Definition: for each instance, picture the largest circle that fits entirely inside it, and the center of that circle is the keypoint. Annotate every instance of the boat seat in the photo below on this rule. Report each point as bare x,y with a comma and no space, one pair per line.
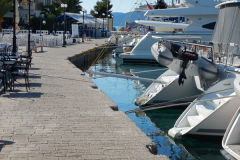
193,120
204,109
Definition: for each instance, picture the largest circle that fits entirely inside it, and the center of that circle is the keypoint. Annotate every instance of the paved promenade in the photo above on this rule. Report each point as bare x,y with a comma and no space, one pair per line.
64,117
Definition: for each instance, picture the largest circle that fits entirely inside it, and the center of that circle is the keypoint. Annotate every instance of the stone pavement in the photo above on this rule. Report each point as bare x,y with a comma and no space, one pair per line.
64,116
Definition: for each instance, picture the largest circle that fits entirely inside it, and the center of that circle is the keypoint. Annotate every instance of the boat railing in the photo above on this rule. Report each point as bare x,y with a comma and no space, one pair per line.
181,32
193,45
232,71
219,52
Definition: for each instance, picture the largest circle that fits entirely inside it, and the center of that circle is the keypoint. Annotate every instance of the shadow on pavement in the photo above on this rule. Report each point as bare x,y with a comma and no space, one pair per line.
3,143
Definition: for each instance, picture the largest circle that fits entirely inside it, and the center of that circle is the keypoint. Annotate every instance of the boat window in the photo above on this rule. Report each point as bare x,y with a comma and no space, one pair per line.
209,25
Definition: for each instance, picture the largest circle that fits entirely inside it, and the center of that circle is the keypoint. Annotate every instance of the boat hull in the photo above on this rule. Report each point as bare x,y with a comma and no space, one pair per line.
217,123
231,139
169,92
209,115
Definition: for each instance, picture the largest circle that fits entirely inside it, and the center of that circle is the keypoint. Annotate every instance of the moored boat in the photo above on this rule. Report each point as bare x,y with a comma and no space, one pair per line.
211,113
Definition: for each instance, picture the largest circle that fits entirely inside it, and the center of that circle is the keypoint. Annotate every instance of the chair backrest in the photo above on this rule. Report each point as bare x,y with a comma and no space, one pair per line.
9,49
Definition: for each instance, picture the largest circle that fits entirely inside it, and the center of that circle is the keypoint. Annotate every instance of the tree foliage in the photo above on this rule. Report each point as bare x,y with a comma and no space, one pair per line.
35,24
73,6
5,7
50,14
103,6
52,11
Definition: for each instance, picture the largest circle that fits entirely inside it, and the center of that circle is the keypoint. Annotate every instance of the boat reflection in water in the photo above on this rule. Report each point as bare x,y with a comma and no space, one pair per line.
154,123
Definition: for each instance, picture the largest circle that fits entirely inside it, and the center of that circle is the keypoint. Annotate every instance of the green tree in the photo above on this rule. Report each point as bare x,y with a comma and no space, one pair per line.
35,23
5,7
103,6
52,11
73,6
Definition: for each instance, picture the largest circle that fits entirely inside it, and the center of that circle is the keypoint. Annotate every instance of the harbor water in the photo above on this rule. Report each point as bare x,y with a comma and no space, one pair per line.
155,123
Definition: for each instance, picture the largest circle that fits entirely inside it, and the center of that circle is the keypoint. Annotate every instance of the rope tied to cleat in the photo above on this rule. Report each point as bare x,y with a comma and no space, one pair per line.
163,105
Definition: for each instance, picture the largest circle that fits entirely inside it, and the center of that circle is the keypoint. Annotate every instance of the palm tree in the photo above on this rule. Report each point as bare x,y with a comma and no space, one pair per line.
73,5
5,7
51,12
103,6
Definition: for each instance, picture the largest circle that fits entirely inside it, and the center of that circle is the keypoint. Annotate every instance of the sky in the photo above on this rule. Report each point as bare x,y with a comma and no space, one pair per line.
118,5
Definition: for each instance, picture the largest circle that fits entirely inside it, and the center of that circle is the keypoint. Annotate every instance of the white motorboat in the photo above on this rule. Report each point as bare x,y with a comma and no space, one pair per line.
123,38
201,74
231,139
202,115
202,15
211,113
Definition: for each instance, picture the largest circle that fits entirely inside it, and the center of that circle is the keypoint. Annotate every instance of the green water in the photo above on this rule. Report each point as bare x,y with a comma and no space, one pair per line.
155,123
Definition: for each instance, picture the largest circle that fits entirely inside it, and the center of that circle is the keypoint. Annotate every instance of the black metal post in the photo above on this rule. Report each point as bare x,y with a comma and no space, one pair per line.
14,49
96,28
29,5
108,21
83,26
41,25
103,27
64,41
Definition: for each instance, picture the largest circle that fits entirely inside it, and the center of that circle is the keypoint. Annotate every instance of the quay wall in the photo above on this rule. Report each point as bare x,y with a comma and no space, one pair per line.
85,59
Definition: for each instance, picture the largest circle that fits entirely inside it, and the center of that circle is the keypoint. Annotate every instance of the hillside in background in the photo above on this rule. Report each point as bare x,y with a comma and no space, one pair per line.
119,17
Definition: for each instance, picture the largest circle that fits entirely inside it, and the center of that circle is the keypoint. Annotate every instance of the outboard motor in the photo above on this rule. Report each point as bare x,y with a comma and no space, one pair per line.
186,57
176,49
160,4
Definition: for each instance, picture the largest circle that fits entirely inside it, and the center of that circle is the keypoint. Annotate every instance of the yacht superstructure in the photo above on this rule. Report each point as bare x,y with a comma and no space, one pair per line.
202,18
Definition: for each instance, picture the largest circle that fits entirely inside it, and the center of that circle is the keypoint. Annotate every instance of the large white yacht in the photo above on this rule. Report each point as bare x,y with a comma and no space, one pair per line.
211,112
201,17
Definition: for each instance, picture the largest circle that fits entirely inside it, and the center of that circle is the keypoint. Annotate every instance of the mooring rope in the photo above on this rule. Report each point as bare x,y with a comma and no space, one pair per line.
107,45
151,70
156,106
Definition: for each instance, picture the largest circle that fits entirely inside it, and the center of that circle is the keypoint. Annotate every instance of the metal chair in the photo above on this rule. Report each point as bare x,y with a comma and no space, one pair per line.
21,70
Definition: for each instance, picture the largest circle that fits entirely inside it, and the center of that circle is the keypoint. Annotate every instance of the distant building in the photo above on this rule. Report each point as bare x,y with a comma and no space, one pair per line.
23,13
